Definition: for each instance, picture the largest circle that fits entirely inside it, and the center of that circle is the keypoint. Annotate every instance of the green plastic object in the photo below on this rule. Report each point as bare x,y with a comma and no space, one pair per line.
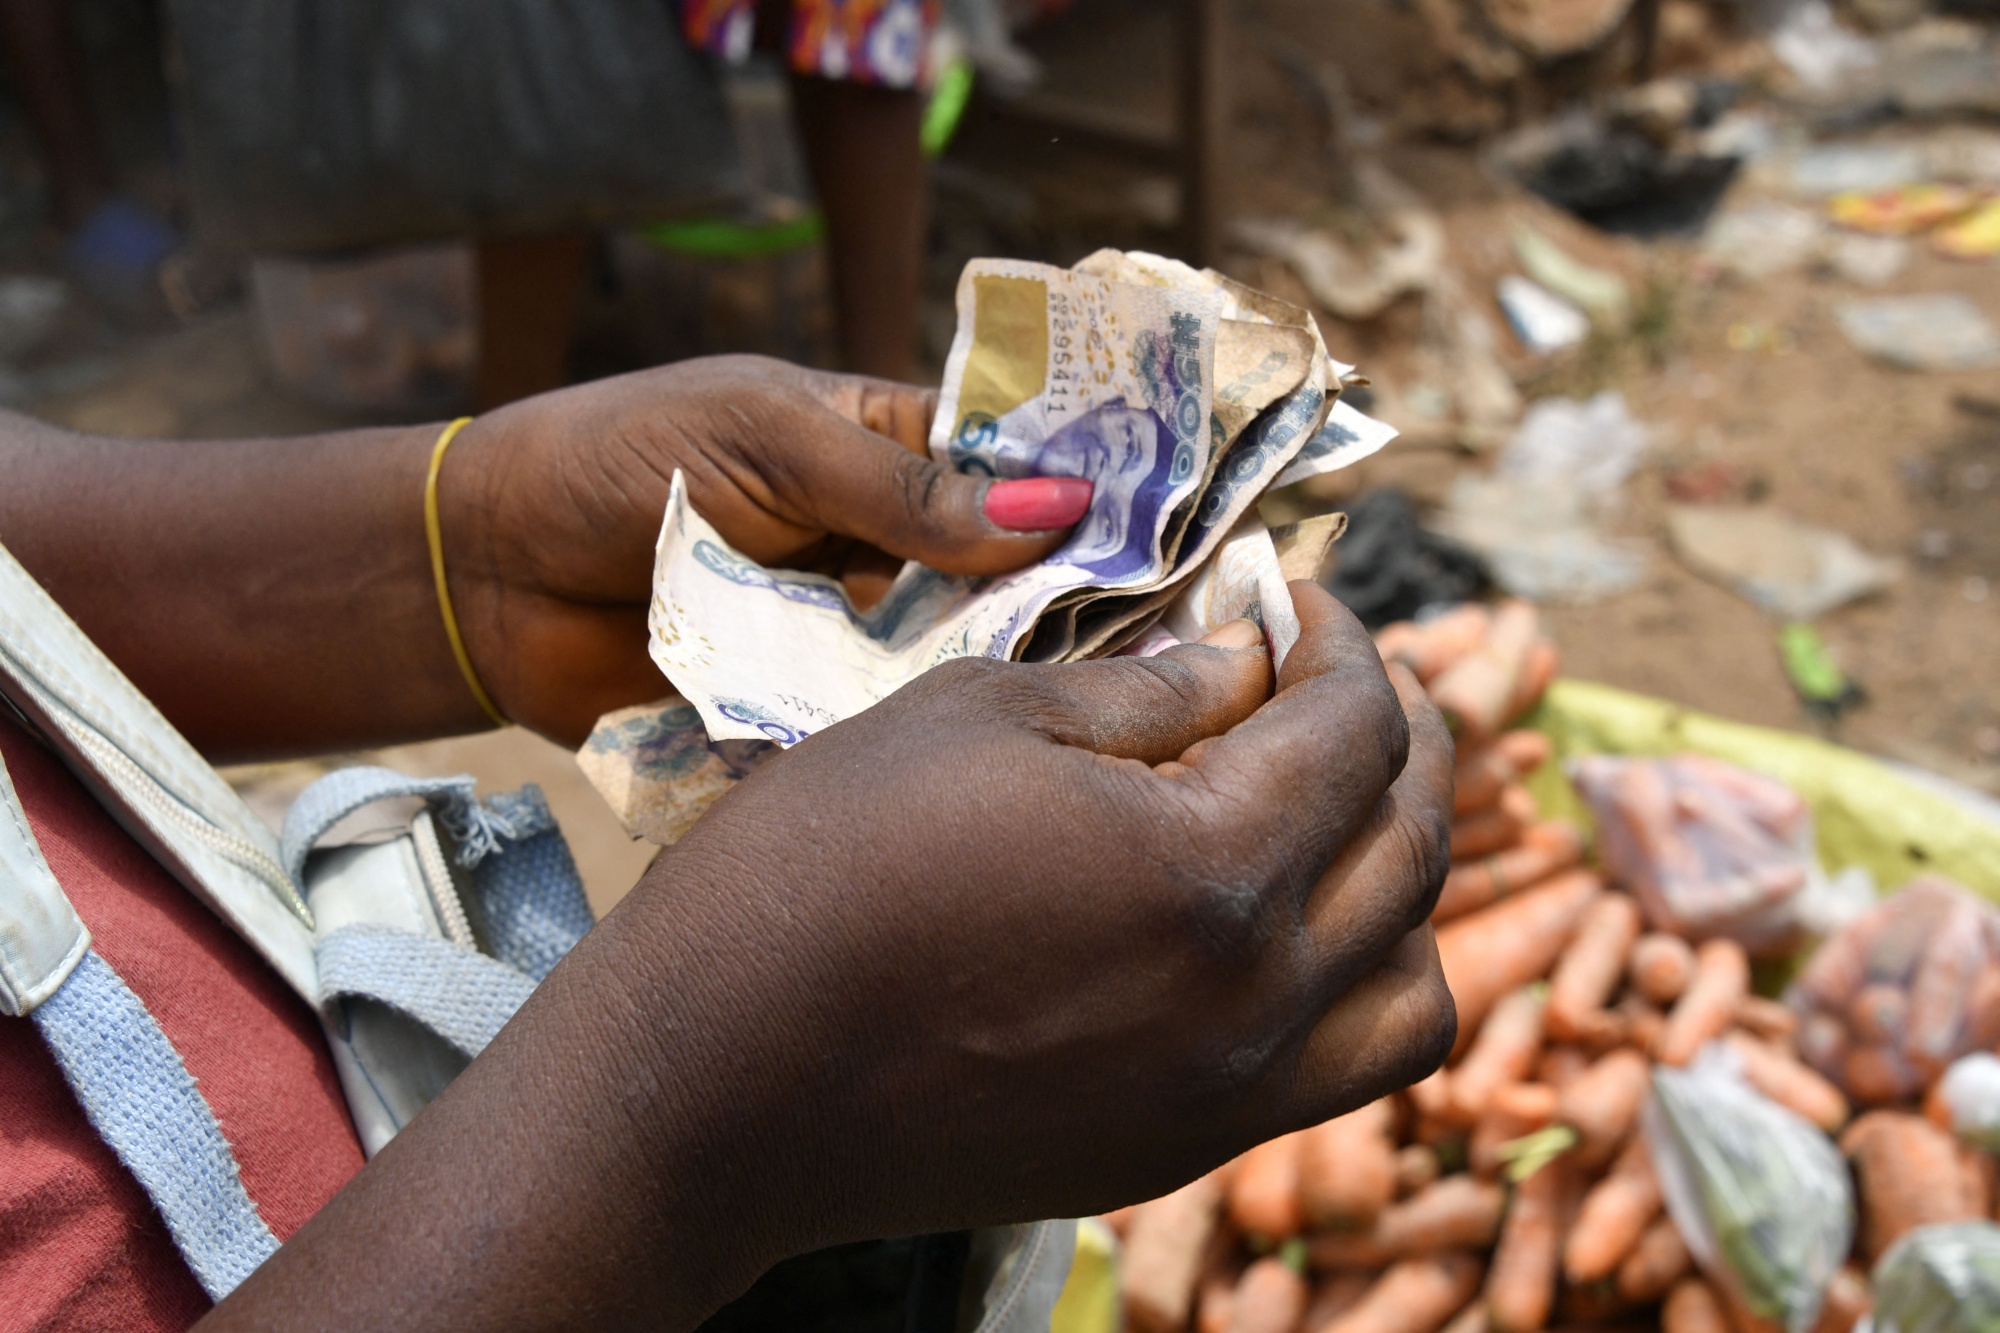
946,107
1864,812
1808,664
725,238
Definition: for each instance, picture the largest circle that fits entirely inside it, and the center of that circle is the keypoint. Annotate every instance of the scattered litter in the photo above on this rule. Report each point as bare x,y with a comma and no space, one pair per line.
1963,153
1789,568
1533,519
1540,540
1543,321
1748,335
1458,352
1714,482
1848,168
1902,211
1352,282
1592,445
1939,331
1387,567
1615,176
1821,54
1598,292
1942,66
1868,261
1824,689
1755,242
1974,236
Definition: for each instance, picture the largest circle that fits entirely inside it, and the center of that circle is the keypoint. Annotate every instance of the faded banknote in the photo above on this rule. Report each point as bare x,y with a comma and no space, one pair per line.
1182,395
1053,373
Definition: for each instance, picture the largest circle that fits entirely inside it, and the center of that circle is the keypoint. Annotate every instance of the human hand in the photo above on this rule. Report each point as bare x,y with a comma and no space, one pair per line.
1028,941
1019,941
550,508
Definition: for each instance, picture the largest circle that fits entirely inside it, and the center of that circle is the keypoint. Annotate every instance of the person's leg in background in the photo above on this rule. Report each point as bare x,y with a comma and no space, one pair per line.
862,148
45,68
529,287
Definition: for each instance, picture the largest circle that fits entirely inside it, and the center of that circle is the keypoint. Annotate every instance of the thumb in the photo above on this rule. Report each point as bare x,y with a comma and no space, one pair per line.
1152,709
860,484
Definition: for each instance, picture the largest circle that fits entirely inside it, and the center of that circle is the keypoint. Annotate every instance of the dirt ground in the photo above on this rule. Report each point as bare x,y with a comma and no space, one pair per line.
1907,463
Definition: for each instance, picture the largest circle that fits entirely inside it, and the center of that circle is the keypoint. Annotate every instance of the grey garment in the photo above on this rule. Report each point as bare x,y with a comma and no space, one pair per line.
315,125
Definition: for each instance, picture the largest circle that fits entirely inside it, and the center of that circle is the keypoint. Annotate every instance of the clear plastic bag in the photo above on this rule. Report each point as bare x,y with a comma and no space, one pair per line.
1761,1196
1710,849
1941,1279
1968,1099
1901,991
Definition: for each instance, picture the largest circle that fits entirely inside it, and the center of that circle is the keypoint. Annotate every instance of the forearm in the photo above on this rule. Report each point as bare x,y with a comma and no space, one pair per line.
594,1168
270,596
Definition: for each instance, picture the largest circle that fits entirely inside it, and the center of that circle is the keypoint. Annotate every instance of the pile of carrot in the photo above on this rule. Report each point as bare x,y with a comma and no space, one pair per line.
1514,1189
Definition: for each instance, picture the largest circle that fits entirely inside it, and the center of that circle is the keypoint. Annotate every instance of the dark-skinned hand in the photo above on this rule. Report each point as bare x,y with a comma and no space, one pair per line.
1019,942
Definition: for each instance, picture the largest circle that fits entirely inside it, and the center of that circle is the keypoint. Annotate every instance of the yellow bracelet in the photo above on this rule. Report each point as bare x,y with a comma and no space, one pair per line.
436,539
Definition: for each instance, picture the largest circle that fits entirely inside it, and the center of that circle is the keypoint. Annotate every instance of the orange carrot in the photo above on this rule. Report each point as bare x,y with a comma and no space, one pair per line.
1879,1014
1457,1212
1847,1299
1839,966
1789,1083
1659,1260
1589,969
1477,778
1264,1192
1615,1215
1215,1302
1721,979
1536,675
1909,1174
1334,1297
1472,1319
1430,1096
1534,1103
1982,1009
1271,1298
1484,832
1164,1249
1474,693
1416,1167
1602,1103
1951,963
1643,1023
1694,1307
1544,849
1347,1167
1526,749
1661,966
1501,1125
1521,1286
1503,1052
1560,1064
1822,1042
1433,646
1875,1075
1414,1296
1346,1251
1774,1022
1509,944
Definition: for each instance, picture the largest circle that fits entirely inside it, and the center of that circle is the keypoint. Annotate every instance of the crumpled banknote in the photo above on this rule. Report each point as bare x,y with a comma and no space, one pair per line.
1182,394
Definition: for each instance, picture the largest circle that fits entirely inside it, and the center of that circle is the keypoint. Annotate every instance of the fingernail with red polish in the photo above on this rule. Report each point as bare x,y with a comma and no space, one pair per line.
1037,504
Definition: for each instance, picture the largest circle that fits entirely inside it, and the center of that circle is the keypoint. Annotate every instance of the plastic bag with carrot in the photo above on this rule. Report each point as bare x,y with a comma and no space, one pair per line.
1901,991
1760,1195
1710,849
1942,1279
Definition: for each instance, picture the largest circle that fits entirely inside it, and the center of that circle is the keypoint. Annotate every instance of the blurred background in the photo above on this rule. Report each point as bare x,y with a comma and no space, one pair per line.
1684,307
